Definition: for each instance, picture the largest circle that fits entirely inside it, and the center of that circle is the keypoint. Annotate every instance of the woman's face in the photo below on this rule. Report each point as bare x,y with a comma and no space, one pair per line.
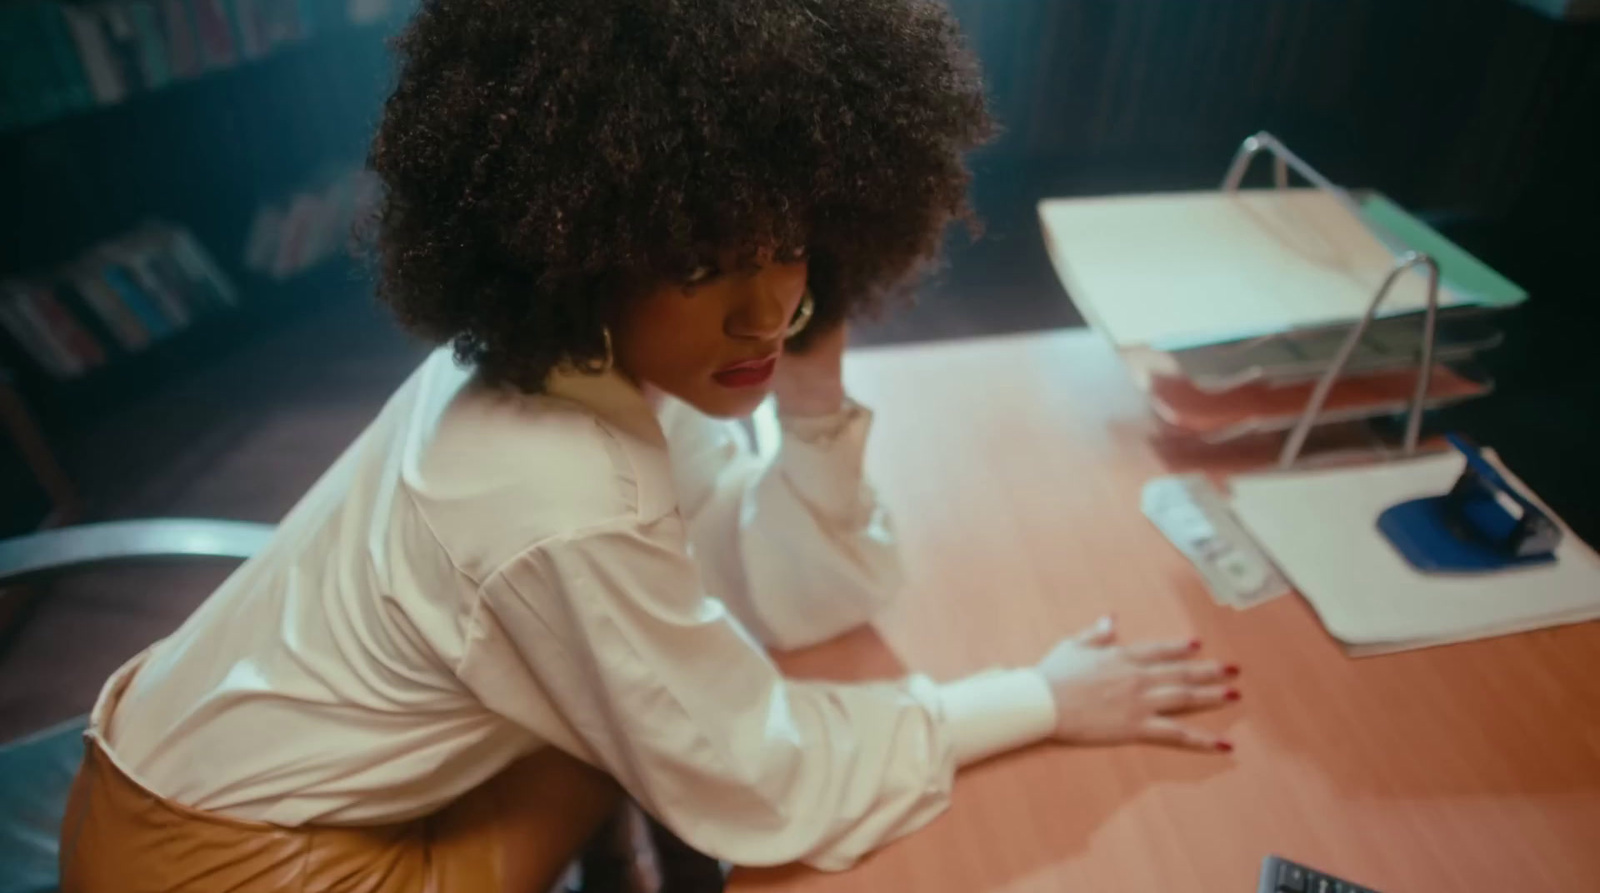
714,340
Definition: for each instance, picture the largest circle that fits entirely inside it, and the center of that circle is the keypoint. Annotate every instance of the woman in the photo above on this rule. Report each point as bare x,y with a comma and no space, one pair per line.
545,575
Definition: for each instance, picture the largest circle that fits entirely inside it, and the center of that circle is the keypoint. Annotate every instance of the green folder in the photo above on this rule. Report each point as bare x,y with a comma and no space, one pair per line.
1461,272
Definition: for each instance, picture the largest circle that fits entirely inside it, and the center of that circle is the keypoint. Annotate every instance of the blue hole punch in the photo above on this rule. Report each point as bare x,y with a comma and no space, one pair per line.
1483,524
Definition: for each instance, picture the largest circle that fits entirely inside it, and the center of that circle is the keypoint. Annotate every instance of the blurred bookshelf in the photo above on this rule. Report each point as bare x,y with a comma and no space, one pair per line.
61,59
181,178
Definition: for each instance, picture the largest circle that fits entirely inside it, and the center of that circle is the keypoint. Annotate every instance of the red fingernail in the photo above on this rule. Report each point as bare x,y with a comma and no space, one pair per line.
1230,670
1232,695
1225,747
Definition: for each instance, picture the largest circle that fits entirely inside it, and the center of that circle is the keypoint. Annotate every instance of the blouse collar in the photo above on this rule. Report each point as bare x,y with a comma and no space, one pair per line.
612,396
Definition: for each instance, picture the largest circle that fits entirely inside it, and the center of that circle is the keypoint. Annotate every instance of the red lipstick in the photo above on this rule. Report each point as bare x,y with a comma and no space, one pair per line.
747,374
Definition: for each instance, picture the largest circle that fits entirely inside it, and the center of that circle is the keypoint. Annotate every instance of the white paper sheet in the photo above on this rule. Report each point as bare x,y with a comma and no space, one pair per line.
1179,269
1320,528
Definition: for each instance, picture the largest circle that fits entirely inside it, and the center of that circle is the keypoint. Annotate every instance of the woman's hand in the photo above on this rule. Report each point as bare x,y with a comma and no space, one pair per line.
1111,694
810,382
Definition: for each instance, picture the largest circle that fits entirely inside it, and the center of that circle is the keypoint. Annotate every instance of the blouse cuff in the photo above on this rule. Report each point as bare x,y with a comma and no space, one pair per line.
997,711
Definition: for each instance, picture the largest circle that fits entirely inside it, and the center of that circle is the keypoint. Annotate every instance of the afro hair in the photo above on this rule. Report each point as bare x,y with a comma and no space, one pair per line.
539,156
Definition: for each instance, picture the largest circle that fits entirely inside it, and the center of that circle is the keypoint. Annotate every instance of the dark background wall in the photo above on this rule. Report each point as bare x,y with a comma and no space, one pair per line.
1453,104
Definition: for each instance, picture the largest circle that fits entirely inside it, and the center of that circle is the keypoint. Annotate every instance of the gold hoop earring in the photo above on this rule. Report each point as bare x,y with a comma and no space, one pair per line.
604,366
802,316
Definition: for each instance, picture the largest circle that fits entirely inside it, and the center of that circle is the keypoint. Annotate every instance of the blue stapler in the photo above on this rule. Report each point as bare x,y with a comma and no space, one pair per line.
1483,524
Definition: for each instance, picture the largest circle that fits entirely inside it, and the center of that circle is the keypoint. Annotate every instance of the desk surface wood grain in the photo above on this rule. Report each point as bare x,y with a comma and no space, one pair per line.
1014,467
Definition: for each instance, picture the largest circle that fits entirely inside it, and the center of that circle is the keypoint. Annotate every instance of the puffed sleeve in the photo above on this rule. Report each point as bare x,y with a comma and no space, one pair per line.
606,641
797,545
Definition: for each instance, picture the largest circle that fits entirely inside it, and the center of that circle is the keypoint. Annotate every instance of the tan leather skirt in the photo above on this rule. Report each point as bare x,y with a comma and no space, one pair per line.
118,836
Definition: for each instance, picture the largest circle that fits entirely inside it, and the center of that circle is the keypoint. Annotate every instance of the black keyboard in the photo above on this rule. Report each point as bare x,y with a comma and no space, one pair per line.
1279,875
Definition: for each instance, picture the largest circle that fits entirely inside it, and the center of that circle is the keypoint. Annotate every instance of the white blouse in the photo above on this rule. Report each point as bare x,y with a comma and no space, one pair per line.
487,572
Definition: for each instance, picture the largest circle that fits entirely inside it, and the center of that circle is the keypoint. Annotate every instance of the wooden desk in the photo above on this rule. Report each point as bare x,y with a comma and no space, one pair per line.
1014,468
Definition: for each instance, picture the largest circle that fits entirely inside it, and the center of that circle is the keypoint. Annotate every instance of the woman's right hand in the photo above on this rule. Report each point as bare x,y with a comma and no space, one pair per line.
1111,694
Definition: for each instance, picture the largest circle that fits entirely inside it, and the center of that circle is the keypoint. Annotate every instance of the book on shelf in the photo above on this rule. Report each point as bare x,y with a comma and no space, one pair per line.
292,235
145,306
117,299
40,74
216,34
247,21
189,263
51,336
64,329
182,41
130,58
289,20
363,11
58,57
116,317
155,60
133,271
94,55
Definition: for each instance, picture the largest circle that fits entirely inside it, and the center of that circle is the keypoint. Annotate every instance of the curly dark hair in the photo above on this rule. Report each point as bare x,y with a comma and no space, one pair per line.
540,155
